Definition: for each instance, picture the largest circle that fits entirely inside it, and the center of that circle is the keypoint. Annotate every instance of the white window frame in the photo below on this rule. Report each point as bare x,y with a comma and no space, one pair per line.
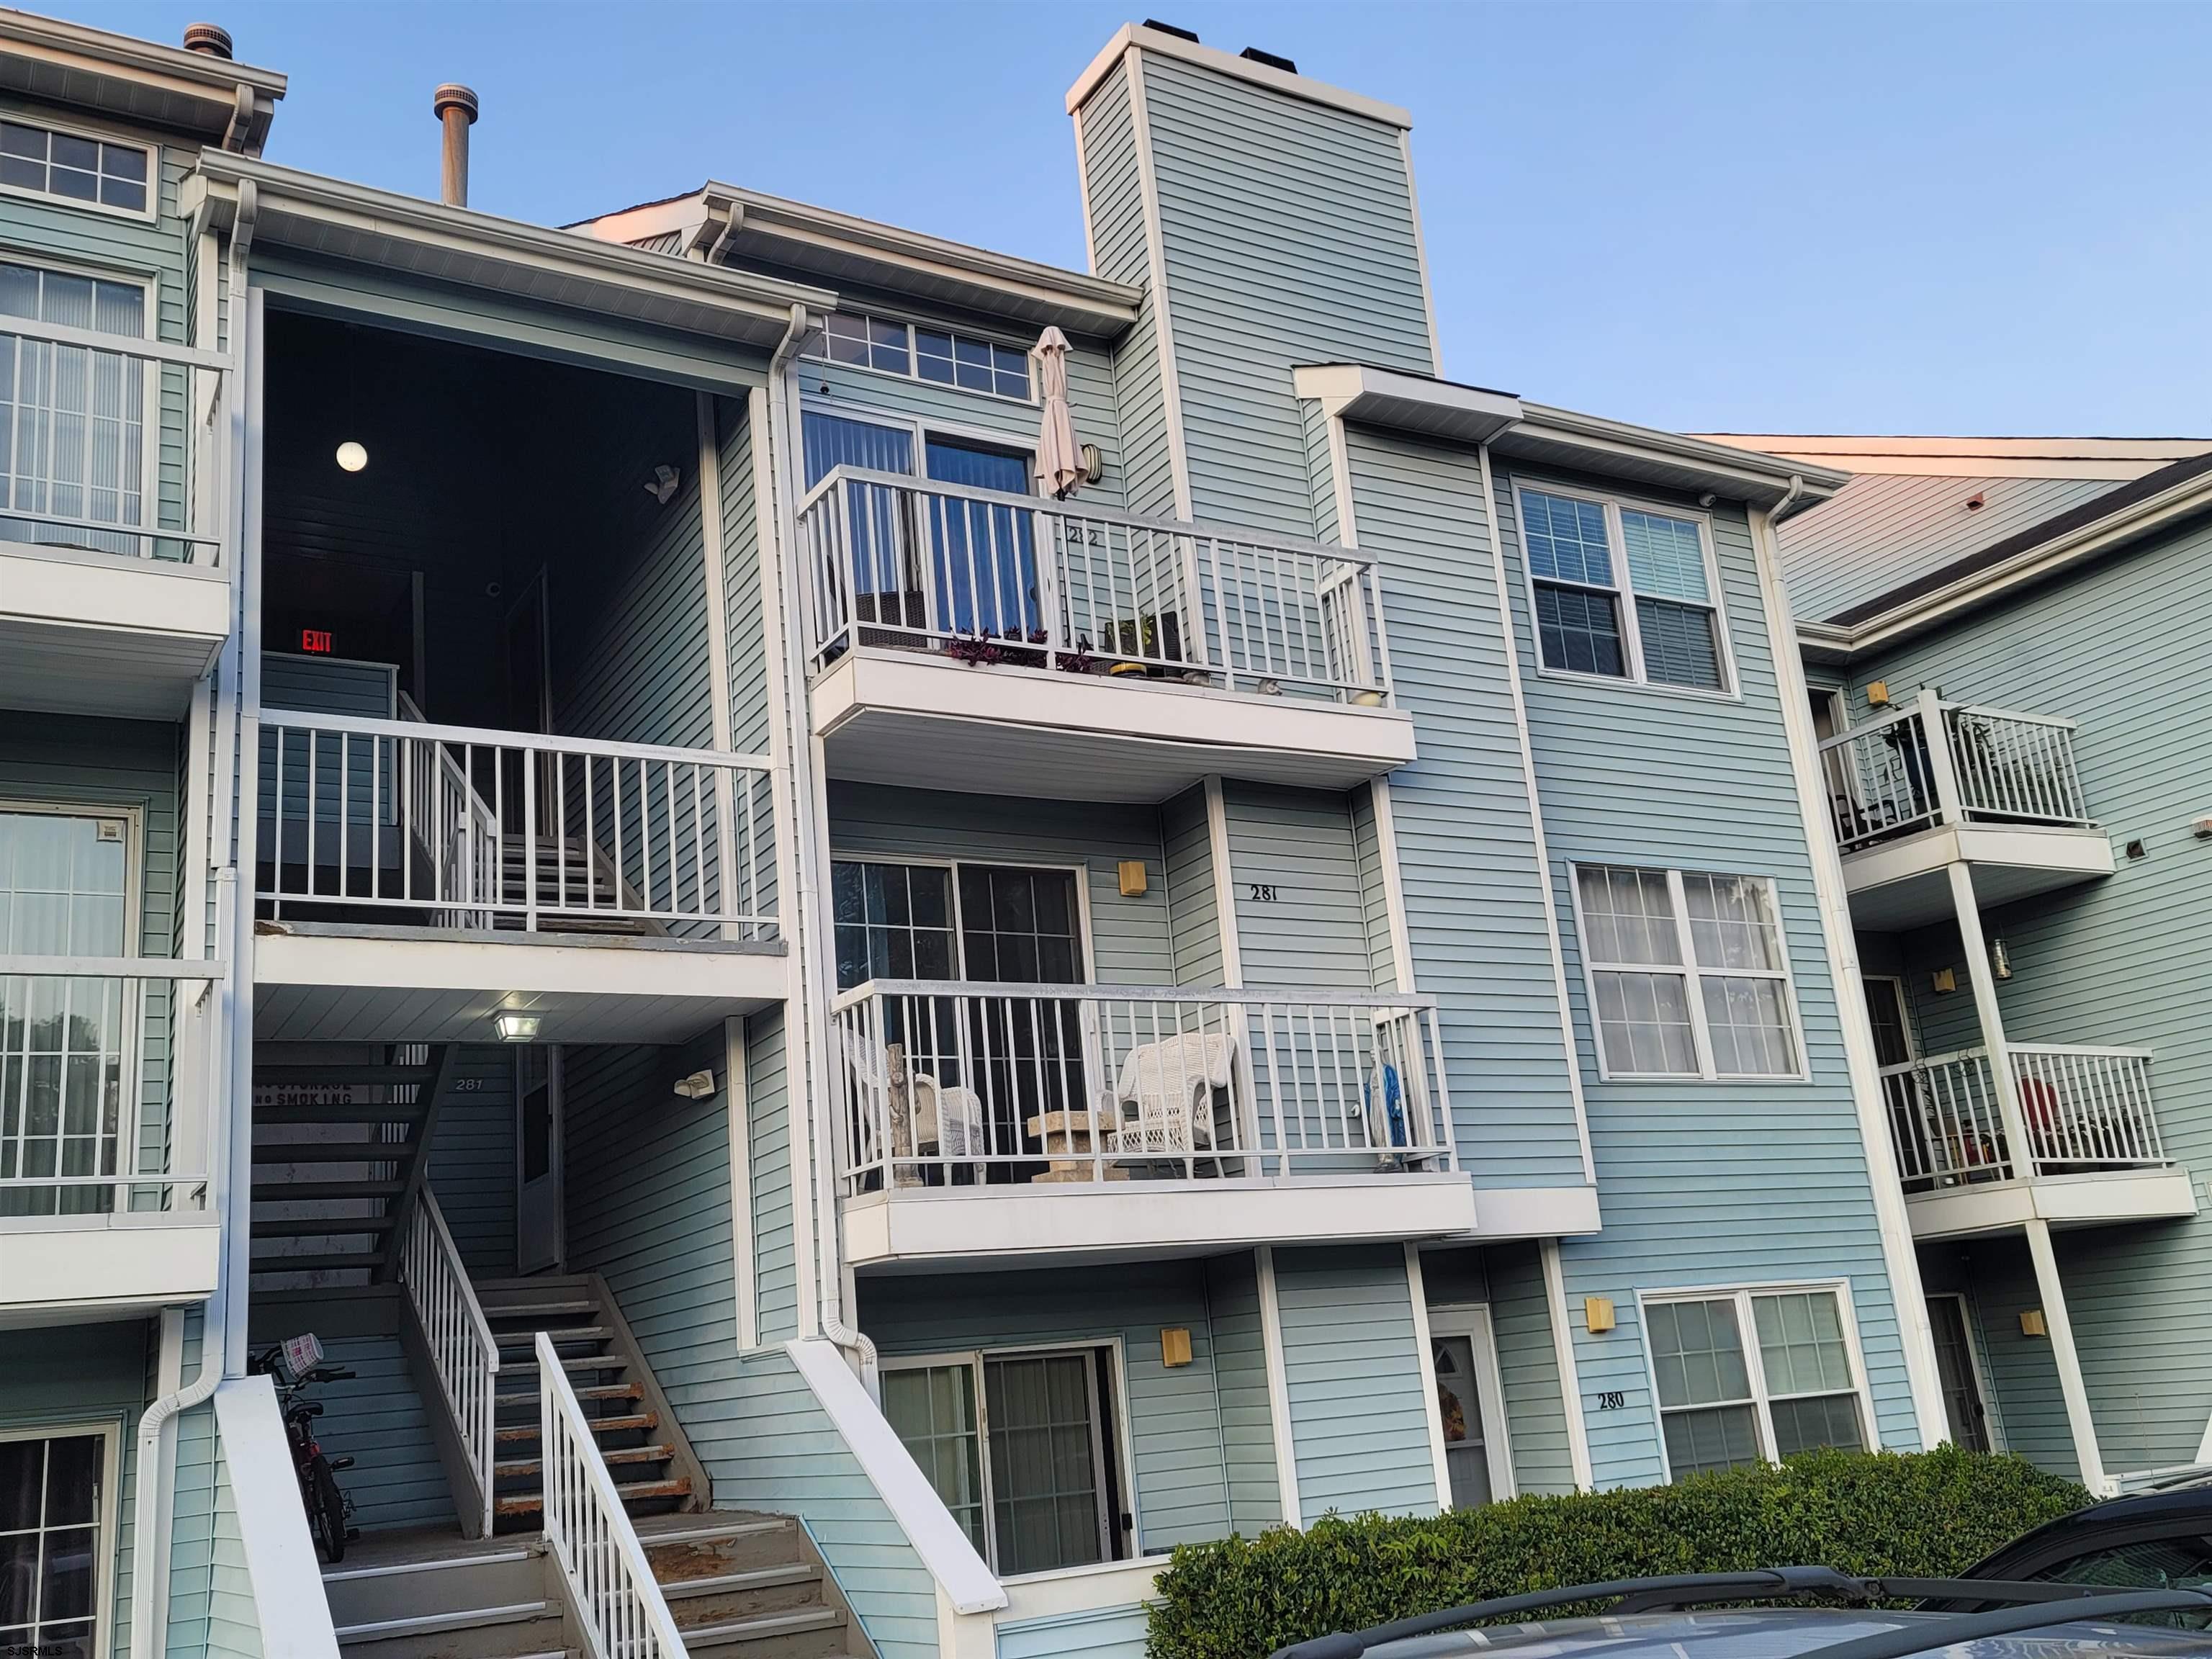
1762,1402
109,1542
1080,872
1120,1447
1473,1320
153,153
1970,1322
1692,973
914,356
1903,1010
926,427
1623,590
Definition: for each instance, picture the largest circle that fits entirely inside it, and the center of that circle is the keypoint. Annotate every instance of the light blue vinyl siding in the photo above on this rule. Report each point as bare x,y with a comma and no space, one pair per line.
1465,828
1300,845
328,685
380,1419
1103,1633
234,1625
1130,936
1174,1417
472,1167
1374,891
1288,235
2021,1373
82,1377
2124,648
1528,1370
1240,1373
1357,1381
1194,908
767,1132
192,1508
751,688
1703,1183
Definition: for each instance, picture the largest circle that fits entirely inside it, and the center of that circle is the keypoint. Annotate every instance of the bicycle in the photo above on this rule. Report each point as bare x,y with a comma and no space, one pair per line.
294,1366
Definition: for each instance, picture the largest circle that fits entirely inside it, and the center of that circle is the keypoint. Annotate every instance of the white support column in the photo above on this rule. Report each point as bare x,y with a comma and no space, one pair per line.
1563,1353
738,1098
2020,1153
713,554
2060,1325
1279,1388
1426,1353
1942,769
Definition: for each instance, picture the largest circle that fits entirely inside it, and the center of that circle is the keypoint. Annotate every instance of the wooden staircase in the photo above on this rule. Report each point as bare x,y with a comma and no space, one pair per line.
574,880
340,1149
653,1465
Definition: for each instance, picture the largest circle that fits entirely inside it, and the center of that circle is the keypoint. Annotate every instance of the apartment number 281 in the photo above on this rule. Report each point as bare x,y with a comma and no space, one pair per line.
1264,892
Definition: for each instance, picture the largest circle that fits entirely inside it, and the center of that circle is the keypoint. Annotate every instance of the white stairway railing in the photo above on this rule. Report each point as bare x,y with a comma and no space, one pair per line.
1942,762
903,561
509,829
457,1333
2085,1110
106,1100
951,1082
609,1582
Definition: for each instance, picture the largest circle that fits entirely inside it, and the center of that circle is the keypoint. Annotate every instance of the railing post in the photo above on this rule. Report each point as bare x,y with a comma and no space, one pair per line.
1942,765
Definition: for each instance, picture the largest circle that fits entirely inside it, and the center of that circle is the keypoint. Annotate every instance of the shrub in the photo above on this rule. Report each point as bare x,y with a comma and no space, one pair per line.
1918,1514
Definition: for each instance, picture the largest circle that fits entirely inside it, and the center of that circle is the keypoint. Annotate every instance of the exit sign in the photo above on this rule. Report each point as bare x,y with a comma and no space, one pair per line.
315,641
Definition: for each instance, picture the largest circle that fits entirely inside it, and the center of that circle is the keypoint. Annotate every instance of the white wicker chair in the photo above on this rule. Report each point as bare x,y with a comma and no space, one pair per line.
1164,1099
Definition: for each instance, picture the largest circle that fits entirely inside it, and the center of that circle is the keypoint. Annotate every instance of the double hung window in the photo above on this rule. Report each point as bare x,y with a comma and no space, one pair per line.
1621,591
1687,973
1725,1400
1020,1446
51,1551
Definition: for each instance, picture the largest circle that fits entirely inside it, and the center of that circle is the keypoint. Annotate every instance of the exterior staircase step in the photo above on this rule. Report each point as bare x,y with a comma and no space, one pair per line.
332,1151
597,1391
562,1337
587,1362
727,1583
635,1492
319,1226
523,1468
306,1192
502,1314
396,1111
635,1423
320,1261
312,1075
827,1621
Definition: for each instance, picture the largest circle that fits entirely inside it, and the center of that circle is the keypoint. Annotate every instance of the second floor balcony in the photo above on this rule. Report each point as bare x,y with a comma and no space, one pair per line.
1938,783
416,882
106,1107
2073,1138
1018,1121
1095,652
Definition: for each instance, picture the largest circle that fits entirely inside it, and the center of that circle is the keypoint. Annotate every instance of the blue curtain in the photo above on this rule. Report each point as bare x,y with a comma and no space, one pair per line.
984,556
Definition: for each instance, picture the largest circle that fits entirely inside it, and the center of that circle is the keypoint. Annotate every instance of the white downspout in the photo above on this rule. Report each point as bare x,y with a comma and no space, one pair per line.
224,1078
814,990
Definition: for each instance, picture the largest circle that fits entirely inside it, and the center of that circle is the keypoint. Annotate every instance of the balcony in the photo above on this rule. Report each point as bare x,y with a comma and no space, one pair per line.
2084,1117
415,881
106,1100
1084,1121
114,593
1939,783
1094,655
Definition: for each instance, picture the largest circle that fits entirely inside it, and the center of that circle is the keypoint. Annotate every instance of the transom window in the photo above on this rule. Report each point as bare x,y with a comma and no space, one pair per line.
51,1550
1622,591
1725,1403
921,353
1689,974
1020,1446
36,158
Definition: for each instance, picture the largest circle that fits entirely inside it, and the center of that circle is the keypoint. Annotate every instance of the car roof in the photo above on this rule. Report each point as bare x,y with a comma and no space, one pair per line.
1775,1633
2181,1507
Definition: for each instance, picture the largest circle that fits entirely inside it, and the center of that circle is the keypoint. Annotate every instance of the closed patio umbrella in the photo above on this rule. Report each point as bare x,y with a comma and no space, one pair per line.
1059,462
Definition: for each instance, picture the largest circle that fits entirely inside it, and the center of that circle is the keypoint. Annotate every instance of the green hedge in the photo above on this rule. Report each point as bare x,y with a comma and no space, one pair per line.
1923,1514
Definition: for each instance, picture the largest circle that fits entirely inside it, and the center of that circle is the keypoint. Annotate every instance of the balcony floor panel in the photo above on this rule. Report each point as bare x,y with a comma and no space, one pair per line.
1906,883
95,634
917,720
62,1269
2106,1198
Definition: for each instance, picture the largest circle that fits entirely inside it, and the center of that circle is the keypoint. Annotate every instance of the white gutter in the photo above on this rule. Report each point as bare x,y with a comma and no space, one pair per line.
815,1073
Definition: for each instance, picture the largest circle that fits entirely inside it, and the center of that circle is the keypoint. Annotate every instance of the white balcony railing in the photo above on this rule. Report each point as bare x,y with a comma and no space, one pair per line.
113,441
481,829
456,1334
2083,1110
955,1084
989,577
611,1589
1938,762
105,1099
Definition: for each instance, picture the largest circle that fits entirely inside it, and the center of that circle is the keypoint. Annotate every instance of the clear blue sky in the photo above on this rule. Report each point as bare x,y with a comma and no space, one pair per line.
1755,217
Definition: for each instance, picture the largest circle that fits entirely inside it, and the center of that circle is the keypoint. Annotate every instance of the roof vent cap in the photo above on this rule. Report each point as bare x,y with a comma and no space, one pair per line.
211,40
1256,55
1169,28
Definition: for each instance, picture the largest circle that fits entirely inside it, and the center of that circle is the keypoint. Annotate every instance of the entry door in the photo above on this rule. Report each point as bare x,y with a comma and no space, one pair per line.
1048,1461
66,1105
538,1202
1955,1368
1464,1373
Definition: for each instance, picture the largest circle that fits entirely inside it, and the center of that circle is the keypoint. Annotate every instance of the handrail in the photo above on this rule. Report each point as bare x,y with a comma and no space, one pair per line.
486,737
127,345
2081,1109
1935,763
462,1349
609,1582
63,967
1251,996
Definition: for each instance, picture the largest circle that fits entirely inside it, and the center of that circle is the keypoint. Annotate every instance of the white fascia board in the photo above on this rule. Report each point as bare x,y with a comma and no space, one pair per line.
466,964
106,1264
1598,442
1240,68
2110,1197
941,1542
114,593
937,1223
1508,1212
1410,402
2062,849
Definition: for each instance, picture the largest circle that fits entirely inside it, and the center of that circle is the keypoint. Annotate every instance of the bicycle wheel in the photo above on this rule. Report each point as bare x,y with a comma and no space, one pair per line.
326,1512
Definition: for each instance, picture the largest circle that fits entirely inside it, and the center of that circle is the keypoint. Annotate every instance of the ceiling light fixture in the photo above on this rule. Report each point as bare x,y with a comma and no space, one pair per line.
352,457
517,1028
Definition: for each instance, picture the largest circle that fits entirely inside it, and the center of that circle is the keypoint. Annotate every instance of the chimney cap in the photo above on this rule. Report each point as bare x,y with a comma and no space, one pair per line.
1253,54
454,95
210,39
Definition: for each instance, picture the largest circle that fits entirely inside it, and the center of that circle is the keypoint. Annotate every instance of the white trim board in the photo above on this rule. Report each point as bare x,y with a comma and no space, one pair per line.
288,1587
1279,1389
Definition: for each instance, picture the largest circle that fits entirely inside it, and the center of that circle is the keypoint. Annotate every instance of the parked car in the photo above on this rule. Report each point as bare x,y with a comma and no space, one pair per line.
1676,1618
2156,1540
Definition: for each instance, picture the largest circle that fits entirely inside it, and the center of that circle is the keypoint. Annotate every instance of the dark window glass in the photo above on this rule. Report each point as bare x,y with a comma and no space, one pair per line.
1579,630
16,140
1679,646
121,162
